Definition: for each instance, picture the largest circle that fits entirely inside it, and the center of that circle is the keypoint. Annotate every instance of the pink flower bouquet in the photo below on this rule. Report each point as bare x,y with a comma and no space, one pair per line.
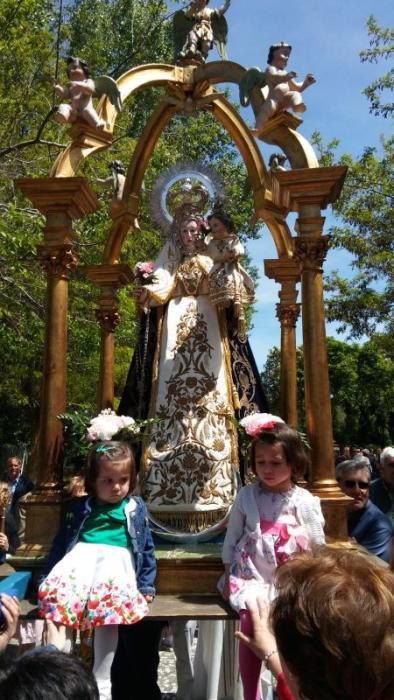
256,422
144,272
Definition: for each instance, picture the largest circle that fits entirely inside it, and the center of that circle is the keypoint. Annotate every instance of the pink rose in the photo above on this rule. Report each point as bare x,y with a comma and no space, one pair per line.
256,422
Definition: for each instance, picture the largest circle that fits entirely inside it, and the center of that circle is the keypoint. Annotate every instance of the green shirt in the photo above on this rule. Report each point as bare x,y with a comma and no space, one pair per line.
106,524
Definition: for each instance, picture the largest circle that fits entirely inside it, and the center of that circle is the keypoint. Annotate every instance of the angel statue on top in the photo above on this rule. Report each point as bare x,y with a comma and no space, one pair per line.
198,28
194,373
279,88
80,90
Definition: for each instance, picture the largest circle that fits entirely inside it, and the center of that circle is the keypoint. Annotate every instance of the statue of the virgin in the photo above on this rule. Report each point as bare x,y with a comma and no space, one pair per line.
193,372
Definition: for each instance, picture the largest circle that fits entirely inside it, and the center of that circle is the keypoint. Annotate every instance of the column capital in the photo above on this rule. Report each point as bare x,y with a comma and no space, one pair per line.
305,187
288,314
71,196
311,251
58,261
108,318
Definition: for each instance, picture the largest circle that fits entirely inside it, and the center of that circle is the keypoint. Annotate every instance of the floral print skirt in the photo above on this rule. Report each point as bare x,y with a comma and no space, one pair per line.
94,584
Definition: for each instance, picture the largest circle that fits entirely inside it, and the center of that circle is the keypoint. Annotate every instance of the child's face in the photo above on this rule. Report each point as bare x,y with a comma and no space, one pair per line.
218,229
76,72
113,481
271,467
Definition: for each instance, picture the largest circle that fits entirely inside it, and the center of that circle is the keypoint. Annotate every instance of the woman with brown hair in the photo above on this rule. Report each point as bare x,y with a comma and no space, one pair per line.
333,626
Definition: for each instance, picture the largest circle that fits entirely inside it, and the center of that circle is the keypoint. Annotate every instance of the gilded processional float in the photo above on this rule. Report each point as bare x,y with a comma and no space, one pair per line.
193,368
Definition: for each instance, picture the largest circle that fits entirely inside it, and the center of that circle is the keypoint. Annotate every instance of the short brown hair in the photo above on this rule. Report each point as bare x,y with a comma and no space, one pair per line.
333,620
110,451
292,445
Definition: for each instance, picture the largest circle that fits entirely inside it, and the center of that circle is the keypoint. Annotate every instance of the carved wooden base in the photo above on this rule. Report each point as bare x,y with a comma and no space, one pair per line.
190,573
42,511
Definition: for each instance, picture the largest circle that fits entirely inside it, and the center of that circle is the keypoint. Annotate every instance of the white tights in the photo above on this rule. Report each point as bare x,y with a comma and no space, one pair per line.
105,643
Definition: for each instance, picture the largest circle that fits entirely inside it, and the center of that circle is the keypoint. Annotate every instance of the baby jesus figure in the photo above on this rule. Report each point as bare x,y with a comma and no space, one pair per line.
229,283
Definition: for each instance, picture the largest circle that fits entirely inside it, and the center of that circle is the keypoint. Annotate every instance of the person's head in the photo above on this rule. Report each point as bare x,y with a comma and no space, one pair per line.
191,232
76,68
221,225
13,468
76,486
333,620
48,675
354,478
117,166
278,54
346,452
386,467
111,473
354,451
277,454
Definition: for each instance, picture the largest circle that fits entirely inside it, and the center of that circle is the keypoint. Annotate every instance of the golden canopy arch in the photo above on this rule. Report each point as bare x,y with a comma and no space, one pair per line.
305,189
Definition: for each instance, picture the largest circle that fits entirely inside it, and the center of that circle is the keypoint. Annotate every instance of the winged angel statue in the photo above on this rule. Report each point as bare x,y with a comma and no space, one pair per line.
278,86
80,90
198,28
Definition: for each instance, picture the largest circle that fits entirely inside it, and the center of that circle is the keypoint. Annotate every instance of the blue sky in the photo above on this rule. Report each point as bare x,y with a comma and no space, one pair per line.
327,36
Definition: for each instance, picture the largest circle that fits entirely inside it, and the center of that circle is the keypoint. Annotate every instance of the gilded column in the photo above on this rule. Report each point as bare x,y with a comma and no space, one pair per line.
308,192
61,201
287,273
109,278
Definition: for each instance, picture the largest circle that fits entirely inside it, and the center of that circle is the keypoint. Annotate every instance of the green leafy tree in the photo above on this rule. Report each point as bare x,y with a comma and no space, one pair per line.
361,383
363,304
381,46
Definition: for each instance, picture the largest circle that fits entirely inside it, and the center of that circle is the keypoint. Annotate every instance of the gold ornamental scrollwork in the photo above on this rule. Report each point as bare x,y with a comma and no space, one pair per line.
108,320
58,261
311,251
288,314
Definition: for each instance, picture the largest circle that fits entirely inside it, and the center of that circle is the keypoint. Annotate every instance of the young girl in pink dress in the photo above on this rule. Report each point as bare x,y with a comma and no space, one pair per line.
270,520
102,566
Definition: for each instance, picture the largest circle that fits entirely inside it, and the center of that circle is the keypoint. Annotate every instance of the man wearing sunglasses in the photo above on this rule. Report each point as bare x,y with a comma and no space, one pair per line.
366,523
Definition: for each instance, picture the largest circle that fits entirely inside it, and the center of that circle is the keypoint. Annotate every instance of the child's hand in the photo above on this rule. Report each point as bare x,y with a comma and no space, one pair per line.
149,598
11,611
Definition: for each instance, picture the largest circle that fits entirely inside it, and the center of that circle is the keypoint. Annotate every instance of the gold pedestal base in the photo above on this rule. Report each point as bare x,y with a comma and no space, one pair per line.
41,511
333,503
188,571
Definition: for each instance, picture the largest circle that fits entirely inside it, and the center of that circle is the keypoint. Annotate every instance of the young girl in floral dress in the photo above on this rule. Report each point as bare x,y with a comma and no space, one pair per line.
270,520
102,566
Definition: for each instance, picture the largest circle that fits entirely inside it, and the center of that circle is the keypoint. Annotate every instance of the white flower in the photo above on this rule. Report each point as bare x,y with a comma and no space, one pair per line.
104,426
107,424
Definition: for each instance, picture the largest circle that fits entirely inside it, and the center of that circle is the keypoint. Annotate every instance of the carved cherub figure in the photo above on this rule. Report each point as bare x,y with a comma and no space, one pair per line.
197,28
115,180
277,162
80,90
281,90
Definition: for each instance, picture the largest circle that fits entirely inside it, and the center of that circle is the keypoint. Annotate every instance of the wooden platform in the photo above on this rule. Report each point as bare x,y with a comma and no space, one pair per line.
169,607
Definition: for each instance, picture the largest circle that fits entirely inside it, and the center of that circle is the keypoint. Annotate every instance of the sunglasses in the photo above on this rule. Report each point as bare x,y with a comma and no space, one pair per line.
351,483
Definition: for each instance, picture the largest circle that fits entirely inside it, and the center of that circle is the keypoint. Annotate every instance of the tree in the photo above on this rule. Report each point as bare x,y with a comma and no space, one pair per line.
381,45
361,382
363,305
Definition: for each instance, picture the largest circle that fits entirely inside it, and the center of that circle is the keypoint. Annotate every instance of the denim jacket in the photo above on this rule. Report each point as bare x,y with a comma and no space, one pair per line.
138,528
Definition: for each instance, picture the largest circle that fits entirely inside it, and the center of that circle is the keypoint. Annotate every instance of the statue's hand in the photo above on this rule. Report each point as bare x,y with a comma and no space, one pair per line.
309,79
291,75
